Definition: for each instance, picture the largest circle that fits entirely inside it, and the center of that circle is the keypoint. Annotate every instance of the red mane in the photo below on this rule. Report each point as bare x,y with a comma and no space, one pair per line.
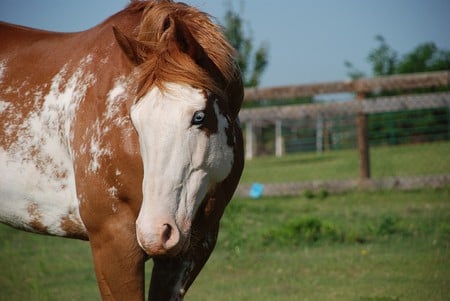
183,45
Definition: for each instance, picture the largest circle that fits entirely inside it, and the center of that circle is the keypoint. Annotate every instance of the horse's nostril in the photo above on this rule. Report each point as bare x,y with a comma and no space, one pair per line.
166,239
170,237
166,233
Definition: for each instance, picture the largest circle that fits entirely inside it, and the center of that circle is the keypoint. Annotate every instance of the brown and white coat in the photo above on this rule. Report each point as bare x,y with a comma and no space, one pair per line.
125,135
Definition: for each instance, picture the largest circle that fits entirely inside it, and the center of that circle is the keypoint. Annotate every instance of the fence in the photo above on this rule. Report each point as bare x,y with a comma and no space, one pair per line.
411,116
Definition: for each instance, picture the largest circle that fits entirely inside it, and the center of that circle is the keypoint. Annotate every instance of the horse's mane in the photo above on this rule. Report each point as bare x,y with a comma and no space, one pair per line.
183,45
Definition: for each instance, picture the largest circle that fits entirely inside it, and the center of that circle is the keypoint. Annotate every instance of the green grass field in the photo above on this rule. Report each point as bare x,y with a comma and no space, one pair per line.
361,246
355,246
407,160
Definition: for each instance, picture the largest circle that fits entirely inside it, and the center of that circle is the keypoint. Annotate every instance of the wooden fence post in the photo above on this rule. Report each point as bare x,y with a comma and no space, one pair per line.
448,130
319,133
363,143
278,138
249,140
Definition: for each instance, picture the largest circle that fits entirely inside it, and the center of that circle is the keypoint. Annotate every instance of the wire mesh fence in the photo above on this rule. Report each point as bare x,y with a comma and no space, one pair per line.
413,124
340,131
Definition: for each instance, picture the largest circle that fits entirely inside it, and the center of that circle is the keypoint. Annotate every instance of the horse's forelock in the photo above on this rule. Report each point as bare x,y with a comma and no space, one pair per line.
186,47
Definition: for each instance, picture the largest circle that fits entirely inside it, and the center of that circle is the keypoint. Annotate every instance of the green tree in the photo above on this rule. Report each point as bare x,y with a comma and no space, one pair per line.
406,126
425,57
252,61
385,60
352,72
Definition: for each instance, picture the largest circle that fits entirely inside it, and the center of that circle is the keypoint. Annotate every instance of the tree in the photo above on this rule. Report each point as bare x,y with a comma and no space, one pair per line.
252,62
352,72
406,125
425,57
385,60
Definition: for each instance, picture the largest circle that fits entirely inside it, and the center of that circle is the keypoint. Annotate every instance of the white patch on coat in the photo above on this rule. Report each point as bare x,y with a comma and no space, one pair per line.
3,106
97,150
113,191
114,208
103,125
37,169
2,69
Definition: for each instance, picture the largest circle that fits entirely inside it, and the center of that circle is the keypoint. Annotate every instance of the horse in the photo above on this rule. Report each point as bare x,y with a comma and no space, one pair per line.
125,135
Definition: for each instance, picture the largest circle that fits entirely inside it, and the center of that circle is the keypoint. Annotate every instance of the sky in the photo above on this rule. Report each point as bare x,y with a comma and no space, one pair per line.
309,40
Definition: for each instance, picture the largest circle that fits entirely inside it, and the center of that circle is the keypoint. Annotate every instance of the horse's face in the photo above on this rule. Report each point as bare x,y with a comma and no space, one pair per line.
186,147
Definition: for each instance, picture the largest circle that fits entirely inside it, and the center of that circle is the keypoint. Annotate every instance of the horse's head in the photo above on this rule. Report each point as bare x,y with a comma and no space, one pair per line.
186,143
190,93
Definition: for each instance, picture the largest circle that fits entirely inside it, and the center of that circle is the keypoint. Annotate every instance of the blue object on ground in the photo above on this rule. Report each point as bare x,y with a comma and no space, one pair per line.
256,190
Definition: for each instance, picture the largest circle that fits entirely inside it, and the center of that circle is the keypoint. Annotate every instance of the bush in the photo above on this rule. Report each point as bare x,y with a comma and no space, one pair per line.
312,230
388,226
303,230
320,194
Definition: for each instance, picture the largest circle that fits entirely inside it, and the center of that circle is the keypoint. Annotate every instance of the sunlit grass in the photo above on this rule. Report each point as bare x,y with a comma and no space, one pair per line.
361,246
404,253
397,247
407,160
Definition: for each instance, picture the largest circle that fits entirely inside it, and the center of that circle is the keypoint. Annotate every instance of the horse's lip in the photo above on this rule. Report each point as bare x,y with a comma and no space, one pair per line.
179,251
171,253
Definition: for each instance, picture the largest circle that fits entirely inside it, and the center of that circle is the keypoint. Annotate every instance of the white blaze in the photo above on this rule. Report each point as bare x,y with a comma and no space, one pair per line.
181,161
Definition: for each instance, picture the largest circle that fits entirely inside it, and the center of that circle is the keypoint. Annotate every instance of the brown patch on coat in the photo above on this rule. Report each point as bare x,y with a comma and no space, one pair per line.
210,124
35,218
73,227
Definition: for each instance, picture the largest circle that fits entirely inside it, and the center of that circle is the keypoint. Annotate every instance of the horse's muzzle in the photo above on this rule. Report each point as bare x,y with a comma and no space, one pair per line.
167,240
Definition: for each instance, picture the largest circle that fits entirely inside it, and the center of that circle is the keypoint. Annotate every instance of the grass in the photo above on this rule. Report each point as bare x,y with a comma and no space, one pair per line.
390,246
36,267
406,160
357,246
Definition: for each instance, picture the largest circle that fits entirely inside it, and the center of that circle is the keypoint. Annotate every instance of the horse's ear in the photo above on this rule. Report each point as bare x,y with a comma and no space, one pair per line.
135,51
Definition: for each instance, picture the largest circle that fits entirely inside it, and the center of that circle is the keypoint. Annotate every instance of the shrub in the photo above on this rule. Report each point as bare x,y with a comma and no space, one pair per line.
388,225
303,230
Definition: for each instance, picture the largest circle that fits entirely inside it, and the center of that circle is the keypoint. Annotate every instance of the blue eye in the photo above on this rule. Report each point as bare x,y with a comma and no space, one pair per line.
198,117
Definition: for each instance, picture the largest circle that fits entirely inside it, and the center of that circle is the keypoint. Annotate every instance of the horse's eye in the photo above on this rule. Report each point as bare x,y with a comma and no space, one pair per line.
198,117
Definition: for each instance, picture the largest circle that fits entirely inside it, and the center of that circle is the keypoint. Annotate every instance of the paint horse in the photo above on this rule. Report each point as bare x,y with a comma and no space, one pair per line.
125,135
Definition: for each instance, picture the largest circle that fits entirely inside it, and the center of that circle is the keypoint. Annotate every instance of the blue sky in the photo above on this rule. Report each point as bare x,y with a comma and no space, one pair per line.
309,40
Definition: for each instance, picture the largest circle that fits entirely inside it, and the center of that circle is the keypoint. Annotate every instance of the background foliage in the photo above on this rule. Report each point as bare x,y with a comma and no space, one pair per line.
252,61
